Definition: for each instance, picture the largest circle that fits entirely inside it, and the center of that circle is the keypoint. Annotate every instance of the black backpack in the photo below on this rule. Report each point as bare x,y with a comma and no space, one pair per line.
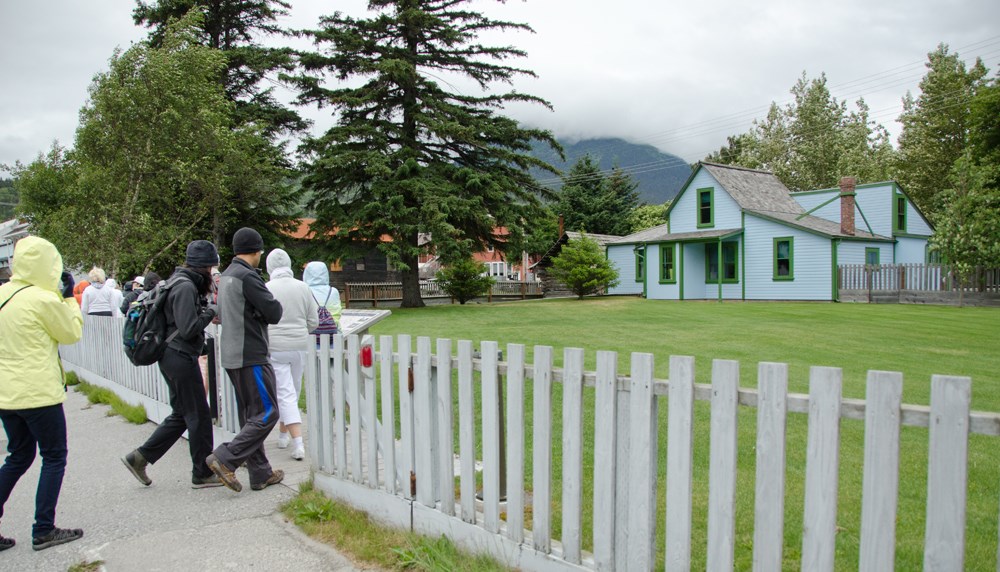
145,331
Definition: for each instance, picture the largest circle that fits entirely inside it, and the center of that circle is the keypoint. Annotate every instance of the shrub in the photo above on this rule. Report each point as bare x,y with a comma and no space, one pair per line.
583,268
465,280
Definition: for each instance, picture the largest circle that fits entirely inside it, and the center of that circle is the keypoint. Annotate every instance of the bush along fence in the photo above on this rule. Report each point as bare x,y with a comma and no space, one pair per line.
918,284
394,454
386,294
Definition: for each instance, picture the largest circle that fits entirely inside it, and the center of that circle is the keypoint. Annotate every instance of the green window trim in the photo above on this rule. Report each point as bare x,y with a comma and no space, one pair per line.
899,213
640,264
705,207
730,262
784,261
668,263
872,256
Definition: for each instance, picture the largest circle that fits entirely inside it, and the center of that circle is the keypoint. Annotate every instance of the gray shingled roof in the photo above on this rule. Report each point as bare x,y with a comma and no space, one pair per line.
600,239
660,234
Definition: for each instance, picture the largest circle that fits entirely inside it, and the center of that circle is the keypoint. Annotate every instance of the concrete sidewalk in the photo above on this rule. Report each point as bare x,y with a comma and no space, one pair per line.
167,526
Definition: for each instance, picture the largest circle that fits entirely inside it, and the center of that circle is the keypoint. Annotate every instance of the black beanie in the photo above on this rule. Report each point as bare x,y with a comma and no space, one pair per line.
247,241
201,254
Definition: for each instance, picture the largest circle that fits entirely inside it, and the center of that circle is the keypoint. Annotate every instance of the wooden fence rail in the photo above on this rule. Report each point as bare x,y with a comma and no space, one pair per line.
375,293
381,436
409,481
916,277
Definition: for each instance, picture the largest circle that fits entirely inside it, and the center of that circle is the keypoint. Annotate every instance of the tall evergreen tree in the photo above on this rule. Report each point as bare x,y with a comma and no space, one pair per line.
936,126
597,203
408,156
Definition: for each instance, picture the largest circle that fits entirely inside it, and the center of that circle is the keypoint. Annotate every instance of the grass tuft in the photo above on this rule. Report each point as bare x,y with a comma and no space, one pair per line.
355,533
132,413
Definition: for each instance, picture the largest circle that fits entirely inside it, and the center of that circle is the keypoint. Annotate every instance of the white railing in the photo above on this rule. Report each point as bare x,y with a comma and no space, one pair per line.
411,480
394,453
99,358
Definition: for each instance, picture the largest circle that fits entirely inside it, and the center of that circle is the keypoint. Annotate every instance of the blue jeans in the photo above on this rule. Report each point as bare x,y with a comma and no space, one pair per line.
44,427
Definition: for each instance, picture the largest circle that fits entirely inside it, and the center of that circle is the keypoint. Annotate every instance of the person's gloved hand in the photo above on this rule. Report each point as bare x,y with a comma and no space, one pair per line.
67,284
211,310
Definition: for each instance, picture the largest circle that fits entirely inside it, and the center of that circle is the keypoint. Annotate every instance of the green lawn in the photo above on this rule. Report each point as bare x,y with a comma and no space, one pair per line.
916,340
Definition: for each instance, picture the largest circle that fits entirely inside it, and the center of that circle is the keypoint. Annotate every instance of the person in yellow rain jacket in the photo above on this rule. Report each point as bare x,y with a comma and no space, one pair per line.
37,313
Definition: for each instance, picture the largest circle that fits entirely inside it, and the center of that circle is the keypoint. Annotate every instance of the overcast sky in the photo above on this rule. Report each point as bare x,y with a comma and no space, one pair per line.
680,76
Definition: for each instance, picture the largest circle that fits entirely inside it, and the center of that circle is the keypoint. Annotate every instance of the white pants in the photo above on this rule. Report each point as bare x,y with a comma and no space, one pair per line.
288,368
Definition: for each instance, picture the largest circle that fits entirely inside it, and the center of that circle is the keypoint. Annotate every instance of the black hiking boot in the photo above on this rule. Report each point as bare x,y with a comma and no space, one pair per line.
56,537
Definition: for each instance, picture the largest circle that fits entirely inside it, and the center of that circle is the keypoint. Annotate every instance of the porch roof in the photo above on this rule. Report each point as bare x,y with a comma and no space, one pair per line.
661,234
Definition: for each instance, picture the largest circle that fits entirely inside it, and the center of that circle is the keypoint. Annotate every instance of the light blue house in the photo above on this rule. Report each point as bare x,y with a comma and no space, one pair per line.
740,234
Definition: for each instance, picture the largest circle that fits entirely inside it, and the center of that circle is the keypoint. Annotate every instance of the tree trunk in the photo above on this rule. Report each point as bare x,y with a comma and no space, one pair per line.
411,278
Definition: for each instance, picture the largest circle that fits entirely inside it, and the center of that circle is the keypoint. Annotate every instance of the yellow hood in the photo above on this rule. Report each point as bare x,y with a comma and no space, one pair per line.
37,262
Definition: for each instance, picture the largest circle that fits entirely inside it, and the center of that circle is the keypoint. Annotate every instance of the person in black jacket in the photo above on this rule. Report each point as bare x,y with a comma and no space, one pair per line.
188,311
246,308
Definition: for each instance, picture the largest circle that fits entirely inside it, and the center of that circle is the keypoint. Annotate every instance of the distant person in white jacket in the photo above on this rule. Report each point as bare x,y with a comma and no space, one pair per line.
288,341
101,298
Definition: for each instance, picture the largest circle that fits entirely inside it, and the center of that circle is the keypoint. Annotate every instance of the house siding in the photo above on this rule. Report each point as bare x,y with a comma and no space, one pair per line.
683,216
853,252
622,258
911,250
810,201
655,290
876,205
915,223
811,263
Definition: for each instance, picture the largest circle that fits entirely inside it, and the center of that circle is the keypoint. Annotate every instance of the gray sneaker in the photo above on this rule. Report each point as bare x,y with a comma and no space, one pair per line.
136,464
206,482
276,476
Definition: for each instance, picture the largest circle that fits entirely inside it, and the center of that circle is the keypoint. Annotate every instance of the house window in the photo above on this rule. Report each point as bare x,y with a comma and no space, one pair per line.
933,255
706,214
900,213
498,269
871,256
729,265
783,254
667,267
640,264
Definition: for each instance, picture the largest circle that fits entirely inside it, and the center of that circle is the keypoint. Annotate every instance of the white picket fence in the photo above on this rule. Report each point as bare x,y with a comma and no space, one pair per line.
394,453
410,480
100,359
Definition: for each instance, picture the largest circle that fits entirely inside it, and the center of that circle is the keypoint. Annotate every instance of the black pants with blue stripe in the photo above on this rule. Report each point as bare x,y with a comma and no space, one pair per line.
256,400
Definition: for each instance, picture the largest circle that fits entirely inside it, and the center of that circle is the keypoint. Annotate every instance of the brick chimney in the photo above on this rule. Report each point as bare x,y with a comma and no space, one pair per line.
847,187
562,227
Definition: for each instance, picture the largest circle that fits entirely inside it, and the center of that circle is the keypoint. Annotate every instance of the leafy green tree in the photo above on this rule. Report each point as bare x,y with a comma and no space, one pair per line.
647,216
812,141
967,231
583,268
407,155
936,126
236,28
464,280
156,153
8,198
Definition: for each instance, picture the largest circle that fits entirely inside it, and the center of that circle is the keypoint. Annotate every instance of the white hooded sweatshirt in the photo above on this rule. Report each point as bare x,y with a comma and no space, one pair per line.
299,311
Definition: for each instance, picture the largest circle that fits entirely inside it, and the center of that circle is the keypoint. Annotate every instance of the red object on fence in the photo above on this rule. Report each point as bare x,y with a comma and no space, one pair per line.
367,358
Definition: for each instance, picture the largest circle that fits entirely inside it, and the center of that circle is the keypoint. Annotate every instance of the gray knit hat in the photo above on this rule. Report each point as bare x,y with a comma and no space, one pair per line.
201,254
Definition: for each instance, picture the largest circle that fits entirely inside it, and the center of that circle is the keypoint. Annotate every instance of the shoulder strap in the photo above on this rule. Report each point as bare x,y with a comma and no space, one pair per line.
327,301
12,295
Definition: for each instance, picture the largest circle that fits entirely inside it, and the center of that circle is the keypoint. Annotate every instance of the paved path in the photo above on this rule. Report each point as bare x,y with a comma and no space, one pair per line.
164,527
